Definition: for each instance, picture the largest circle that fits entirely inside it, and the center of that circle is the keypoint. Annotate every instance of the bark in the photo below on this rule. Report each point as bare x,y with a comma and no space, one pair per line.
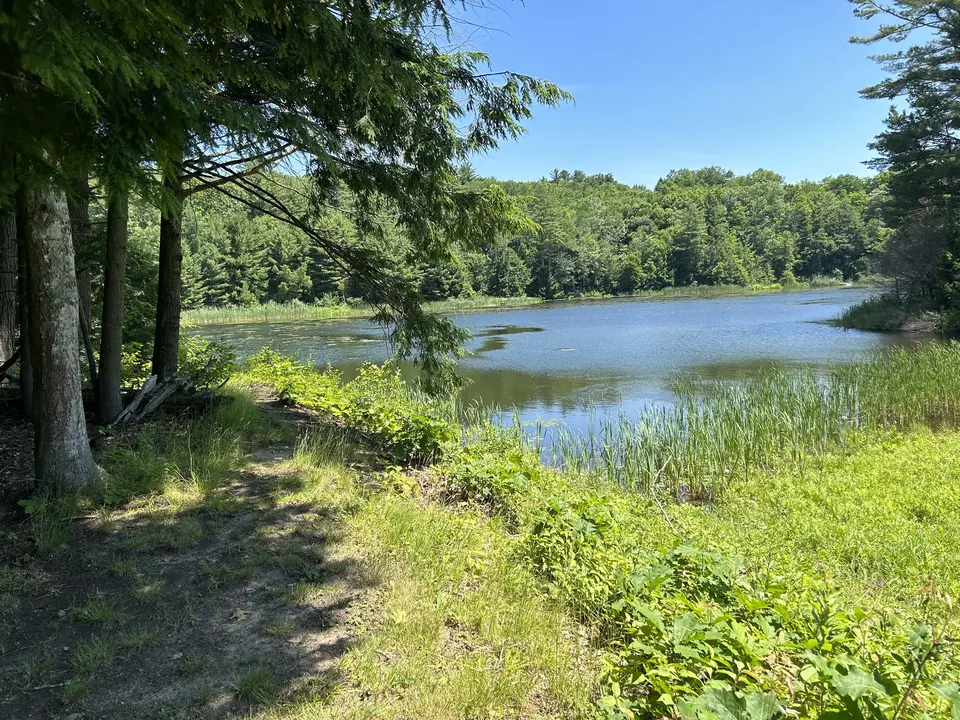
114,282
26,356
63,459
166,341
79,204
8,284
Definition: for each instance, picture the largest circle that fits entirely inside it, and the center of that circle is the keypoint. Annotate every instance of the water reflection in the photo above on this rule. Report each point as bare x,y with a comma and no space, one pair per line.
565,361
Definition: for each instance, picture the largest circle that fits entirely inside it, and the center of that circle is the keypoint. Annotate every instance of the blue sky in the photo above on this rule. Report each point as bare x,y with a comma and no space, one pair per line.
663,84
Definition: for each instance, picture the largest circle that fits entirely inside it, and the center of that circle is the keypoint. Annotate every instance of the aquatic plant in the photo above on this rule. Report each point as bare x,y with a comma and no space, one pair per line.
716,433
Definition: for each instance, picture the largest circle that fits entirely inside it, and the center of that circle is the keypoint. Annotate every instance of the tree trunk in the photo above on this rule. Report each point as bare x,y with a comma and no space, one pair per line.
79,204
26,356
8,284
111,337
166,341
63,459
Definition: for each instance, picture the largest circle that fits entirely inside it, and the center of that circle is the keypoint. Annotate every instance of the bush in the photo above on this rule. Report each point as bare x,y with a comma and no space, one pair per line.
376,405
691,633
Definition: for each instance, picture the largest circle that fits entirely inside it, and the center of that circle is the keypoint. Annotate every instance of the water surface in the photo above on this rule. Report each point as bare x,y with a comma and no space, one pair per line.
568,361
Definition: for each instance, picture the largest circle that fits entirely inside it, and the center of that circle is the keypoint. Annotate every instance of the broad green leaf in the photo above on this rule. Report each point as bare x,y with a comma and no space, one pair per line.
951,692
856,683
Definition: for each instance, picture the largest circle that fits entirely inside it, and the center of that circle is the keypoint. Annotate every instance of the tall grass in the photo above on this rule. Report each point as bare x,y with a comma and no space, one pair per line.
886,312
717,433
301,312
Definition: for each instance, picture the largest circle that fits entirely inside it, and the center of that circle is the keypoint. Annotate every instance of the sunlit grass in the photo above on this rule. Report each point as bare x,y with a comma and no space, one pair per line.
881,521
720,433
457,629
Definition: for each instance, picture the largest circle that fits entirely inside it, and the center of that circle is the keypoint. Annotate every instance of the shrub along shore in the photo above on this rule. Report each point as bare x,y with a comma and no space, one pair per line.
888,313
782,549
817,586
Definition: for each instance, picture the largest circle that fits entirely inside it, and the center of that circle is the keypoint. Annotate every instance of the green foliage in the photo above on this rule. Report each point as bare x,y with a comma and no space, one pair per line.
886,312
720,433
210,363
693,633
377,405
917,148
591,238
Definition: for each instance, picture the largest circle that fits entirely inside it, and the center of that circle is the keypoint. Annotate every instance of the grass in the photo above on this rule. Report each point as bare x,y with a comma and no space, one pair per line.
795,542
193,564
457,629
887,313
301,312
718,434
255,687
881,521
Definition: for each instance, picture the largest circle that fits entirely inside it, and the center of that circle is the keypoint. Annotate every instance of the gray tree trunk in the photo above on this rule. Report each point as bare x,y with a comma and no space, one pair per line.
8,284
166,341
26,362
114,282
63,459
79,204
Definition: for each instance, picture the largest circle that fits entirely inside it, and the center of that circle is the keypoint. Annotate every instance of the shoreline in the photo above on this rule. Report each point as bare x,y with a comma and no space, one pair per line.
277,313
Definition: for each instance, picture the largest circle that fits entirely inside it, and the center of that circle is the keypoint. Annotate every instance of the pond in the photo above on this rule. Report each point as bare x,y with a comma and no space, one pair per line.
567,361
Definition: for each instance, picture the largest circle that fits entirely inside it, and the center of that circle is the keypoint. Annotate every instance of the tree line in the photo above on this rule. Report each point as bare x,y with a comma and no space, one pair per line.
919,151
166,101
593,235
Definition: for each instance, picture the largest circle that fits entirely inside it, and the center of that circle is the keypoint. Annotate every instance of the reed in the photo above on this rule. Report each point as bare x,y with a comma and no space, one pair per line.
717,433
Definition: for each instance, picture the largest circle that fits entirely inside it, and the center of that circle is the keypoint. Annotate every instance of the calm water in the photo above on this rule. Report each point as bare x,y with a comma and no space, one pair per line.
568,361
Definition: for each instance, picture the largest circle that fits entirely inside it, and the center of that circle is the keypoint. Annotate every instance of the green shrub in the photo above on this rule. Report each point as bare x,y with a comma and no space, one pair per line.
376,405
693,634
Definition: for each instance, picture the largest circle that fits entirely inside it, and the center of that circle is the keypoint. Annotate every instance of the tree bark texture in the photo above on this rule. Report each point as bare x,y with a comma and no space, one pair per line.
8,284
26,357
79,204
114,283
63,459
166,342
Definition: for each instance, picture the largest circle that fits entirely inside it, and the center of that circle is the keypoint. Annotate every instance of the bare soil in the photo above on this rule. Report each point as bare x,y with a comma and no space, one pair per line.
207,611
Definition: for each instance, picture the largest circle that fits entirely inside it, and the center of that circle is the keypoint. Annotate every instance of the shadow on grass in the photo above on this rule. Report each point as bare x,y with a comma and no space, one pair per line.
218,588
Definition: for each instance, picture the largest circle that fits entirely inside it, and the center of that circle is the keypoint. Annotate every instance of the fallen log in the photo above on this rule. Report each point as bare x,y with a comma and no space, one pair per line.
9,364
125,414
155,396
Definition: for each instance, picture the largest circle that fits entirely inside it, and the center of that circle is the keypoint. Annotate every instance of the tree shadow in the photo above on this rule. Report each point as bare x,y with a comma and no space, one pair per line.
188,604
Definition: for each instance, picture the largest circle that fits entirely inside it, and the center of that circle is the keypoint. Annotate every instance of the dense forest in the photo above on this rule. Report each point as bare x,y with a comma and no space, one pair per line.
593,236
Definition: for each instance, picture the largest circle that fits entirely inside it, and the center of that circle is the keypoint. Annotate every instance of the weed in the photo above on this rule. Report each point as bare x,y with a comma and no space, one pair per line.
282,627
255,686
190,665
96,610
93,656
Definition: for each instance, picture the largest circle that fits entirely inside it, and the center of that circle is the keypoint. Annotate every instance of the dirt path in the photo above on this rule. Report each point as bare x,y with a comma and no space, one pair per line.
200,606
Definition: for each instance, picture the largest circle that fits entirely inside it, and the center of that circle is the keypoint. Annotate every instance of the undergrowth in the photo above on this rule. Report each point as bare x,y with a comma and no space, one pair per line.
692,632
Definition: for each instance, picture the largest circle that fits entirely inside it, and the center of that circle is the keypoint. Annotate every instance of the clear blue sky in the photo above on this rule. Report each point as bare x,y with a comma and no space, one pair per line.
664,84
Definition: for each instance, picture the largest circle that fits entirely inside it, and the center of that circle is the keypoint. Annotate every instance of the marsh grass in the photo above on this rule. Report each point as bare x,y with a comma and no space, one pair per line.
718,433
887,313
301,312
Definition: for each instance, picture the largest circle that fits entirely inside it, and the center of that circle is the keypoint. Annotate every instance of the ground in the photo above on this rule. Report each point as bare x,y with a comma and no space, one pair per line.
181,607
238,565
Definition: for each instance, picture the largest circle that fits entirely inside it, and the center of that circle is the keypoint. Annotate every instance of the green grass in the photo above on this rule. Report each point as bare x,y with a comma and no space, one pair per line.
791,583
255,686
457,629
887,313
301,312
718,434
881,521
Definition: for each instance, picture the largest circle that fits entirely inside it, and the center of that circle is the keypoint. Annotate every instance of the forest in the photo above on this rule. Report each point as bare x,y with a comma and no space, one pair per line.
593,236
